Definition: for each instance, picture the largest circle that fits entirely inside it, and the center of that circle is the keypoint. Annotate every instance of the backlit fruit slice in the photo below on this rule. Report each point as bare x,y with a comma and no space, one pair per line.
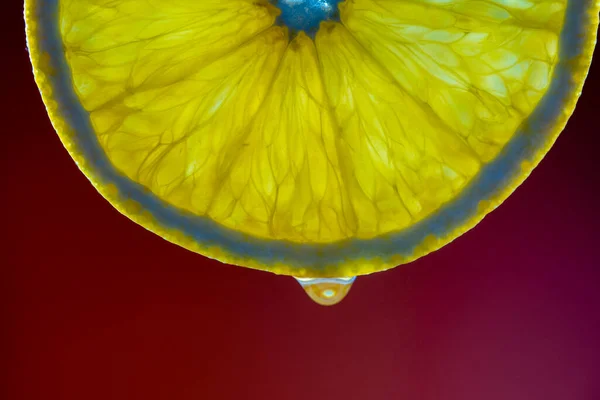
327,150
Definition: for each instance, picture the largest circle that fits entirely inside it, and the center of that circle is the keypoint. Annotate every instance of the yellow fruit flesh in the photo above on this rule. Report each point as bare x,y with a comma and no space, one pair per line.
479,67
366,130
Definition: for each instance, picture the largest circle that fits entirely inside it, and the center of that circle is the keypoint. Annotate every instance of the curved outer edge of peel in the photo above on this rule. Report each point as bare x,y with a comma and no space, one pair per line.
346,267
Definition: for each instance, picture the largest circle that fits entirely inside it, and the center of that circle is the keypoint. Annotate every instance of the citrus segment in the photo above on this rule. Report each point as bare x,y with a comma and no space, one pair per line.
177,140
116,49
478,67
399,162
284,178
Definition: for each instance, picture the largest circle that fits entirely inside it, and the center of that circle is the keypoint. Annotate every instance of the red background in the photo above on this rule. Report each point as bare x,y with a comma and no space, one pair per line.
92,306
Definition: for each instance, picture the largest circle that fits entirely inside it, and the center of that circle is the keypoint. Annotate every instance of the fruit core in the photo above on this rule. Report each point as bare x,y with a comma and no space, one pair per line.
306,15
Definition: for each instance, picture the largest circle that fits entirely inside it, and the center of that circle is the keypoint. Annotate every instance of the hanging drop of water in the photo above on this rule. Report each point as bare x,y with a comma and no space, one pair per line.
326,291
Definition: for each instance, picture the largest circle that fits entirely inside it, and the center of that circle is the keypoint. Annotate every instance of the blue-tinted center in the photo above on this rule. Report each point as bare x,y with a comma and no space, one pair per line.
306,15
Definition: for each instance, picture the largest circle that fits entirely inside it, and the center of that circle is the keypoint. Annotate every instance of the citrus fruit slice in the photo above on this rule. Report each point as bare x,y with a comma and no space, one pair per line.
303,137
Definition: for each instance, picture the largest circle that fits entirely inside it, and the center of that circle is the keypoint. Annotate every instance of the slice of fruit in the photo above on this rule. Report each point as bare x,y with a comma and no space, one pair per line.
305,140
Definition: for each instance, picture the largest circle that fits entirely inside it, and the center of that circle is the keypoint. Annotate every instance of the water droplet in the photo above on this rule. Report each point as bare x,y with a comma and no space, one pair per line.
326,291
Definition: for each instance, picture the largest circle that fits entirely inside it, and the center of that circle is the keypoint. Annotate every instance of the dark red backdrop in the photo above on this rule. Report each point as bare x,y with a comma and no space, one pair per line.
95,307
